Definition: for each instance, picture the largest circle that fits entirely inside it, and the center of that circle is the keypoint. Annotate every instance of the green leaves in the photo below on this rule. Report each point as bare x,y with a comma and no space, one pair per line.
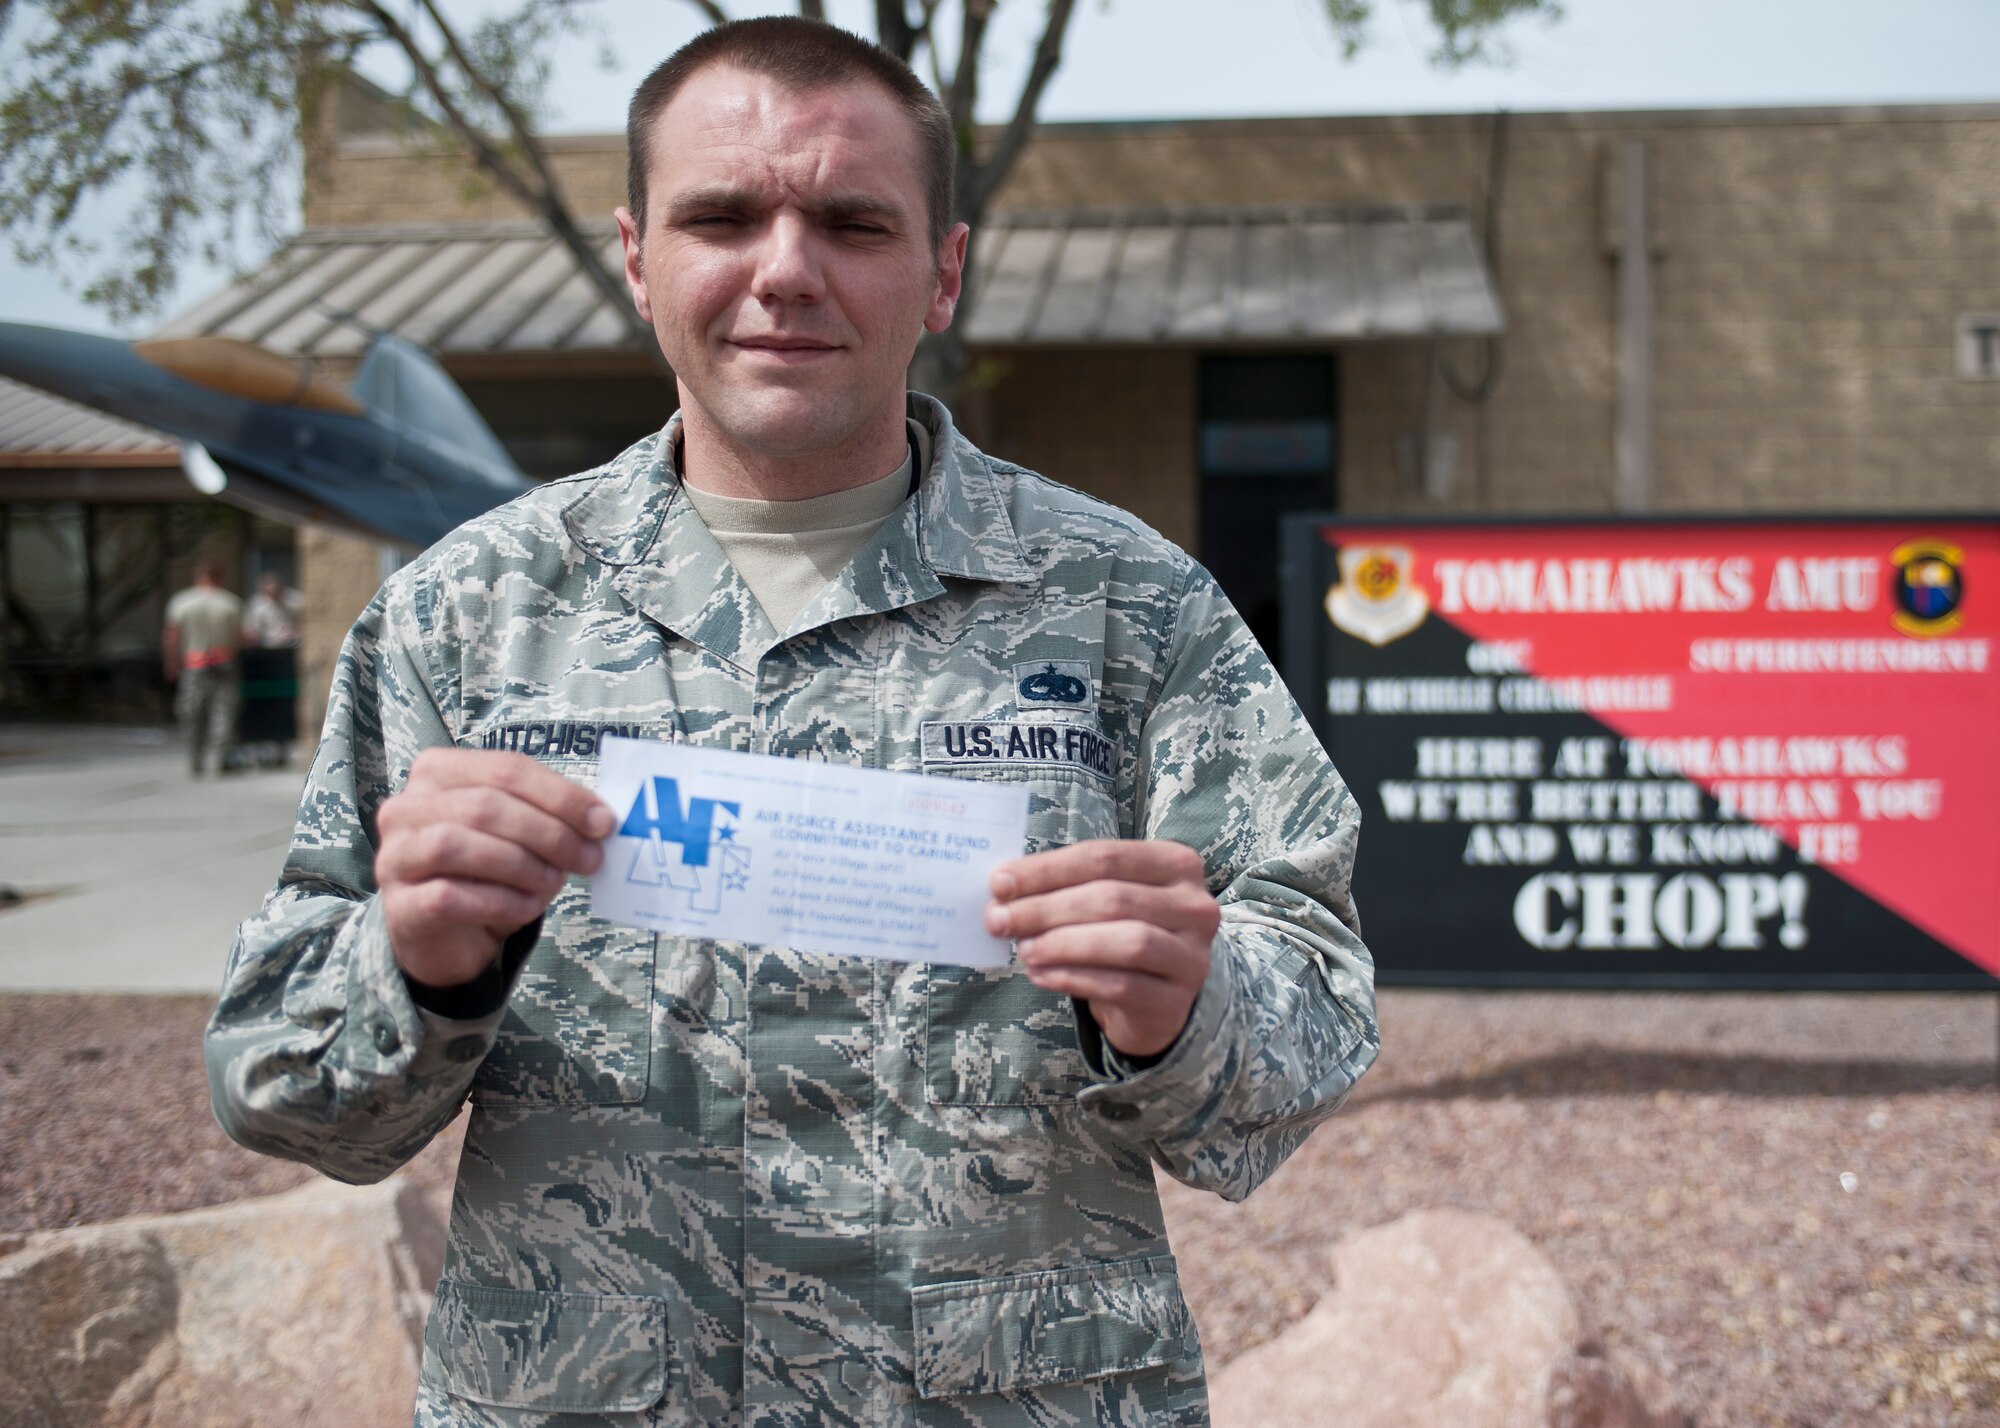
190,117
182,105
1468,31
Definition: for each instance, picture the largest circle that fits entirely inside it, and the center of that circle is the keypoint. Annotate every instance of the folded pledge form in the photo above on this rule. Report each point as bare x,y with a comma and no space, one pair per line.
814,856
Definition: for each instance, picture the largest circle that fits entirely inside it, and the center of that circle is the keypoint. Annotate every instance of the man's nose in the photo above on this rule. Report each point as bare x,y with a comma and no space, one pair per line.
788,264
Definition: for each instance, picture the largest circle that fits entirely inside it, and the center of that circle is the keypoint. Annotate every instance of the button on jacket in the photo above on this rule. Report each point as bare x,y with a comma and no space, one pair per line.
709,1183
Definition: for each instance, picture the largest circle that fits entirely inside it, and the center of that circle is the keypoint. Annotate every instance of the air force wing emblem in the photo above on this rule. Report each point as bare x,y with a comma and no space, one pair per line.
1376,600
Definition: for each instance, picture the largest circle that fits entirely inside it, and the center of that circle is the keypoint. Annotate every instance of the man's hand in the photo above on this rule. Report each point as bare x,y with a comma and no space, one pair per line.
1122,926
472,850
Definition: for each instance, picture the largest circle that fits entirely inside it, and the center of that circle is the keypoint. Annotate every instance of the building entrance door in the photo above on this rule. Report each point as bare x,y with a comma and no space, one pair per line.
1267,449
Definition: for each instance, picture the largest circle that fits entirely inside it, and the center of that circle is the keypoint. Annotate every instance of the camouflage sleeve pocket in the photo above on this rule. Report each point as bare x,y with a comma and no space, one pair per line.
558,1353
578,1029
1042,1330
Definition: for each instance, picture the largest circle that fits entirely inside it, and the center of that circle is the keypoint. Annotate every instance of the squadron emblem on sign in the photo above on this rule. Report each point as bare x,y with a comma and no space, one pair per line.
1928,587
1376,600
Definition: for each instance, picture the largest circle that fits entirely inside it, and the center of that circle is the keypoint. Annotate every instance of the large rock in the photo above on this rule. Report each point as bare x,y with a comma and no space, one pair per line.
305,1307
1438,1320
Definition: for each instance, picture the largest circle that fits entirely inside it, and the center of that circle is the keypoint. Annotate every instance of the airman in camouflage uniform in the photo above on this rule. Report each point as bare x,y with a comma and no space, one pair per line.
711,1183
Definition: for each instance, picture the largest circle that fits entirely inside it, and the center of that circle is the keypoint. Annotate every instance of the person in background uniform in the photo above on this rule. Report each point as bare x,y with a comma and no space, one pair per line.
712,1183
275,613
270,683
204,631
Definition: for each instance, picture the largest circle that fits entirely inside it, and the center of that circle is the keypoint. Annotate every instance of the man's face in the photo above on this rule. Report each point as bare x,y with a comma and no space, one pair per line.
785,266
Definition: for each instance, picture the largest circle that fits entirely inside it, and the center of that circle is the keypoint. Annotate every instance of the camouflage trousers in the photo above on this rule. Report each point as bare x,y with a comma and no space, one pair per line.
206,702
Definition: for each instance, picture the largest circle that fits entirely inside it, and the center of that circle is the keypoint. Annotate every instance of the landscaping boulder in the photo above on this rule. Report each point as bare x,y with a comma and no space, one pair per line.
294,1308
1439,1318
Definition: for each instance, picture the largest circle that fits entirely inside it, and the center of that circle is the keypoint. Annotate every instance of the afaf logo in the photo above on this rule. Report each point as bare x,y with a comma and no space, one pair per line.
704,862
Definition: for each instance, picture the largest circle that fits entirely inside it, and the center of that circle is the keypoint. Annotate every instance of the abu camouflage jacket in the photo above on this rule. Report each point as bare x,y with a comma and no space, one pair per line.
709,1183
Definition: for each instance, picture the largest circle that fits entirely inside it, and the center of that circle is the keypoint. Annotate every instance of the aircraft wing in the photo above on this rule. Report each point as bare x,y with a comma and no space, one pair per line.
403,457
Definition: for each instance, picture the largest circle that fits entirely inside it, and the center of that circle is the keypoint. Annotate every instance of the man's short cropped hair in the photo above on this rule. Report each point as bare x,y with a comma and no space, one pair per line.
802,55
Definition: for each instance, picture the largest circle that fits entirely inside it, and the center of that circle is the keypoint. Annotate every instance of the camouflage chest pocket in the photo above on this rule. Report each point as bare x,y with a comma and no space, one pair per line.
991,1036
578,1029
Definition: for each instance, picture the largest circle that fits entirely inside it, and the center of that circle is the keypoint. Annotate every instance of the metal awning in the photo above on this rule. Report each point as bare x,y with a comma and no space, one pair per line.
40,429
1211,276
1231,275
460,289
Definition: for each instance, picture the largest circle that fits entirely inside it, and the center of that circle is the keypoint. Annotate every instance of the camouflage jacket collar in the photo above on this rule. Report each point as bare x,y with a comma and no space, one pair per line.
635,519
963,525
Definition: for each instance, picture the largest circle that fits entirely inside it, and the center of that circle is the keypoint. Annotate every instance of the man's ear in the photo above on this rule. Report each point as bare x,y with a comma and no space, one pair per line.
635,277
950,278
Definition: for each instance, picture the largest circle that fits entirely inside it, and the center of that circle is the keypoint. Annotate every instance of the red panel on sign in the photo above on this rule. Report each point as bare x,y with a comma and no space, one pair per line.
1832,681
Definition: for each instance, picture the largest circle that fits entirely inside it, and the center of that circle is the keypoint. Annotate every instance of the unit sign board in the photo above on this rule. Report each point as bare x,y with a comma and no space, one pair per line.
1673,753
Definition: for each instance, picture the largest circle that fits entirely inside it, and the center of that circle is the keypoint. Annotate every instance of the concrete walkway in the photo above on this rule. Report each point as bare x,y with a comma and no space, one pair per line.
134,875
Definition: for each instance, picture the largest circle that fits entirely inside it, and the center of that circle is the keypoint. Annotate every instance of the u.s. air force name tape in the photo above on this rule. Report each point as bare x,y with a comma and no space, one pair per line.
1017,742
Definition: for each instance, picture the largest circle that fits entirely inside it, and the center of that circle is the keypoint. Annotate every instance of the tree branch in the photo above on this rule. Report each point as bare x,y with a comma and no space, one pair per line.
927,37
812,9
517,125
540,196
985,177
484,153
716,14
963,97
893,31
554,209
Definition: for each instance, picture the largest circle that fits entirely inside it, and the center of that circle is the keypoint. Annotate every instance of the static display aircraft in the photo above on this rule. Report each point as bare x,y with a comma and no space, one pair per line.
399,454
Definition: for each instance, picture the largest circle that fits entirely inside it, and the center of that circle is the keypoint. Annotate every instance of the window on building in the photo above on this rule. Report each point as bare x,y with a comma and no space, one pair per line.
83,592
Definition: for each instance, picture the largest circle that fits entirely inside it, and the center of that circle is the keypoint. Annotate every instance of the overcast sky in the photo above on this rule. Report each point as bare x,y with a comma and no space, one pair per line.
1176,58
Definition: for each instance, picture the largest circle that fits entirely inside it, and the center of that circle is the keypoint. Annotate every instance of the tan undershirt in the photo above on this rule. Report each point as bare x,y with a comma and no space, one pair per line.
789,551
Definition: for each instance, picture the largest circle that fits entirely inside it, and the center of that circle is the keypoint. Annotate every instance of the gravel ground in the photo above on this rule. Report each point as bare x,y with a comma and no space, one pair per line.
1685,1162
1785,1204
104,1113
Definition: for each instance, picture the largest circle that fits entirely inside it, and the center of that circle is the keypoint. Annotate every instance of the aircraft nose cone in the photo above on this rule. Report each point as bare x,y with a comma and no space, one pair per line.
78,365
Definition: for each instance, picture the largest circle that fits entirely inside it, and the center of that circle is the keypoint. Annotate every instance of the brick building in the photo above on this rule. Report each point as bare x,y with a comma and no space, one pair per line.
1211,321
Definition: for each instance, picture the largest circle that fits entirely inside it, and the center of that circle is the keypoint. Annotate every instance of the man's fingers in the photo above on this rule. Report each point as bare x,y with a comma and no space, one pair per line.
505,815
1099,860
476,845
519,775
450,850
1106,987
441,904
493,811
1181,907
1137,947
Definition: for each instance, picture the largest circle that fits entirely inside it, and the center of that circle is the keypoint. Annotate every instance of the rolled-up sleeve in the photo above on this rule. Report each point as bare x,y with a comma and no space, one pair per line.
317,1051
